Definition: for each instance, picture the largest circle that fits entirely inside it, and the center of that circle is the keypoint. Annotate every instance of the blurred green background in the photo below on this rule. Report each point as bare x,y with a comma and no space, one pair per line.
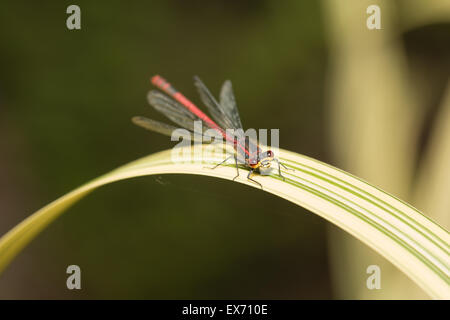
66,99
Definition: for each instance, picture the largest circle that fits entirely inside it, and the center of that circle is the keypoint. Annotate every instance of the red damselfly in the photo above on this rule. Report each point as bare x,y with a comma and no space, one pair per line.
183,112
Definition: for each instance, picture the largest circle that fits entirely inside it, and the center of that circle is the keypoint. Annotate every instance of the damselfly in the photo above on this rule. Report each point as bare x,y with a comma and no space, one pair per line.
183,112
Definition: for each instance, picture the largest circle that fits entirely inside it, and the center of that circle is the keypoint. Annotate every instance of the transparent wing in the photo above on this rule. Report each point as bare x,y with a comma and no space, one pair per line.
214,108
153,125
228,104
173,110
167,129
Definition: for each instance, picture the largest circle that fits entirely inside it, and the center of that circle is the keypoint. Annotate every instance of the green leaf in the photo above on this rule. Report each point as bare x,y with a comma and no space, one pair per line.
415,244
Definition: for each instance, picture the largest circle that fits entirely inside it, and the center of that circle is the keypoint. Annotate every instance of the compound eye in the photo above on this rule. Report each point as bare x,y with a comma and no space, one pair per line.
270,154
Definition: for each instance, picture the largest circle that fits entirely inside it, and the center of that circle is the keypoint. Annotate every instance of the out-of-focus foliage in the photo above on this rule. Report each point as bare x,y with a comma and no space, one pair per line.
377,118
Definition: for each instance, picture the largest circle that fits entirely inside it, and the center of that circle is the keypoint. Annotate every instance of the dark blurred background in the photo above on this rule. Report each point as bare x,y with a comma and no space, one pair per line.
66,99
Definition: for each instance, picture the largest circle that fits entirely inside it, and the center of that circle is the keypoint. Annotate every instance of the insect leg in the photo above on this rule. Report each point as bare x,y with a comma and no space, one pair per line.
237,167
287,168
249,178
279,168
228,158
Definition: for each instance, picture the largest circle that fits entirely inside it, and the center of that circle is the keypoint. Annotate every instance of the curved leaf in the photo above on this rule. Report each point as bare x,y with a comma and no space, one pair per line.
415,244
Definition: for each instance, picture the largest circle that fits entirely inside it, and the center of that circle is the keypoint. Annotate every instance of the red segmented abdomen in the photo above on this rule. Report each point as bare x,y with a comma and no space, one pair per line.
170,90
162,84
